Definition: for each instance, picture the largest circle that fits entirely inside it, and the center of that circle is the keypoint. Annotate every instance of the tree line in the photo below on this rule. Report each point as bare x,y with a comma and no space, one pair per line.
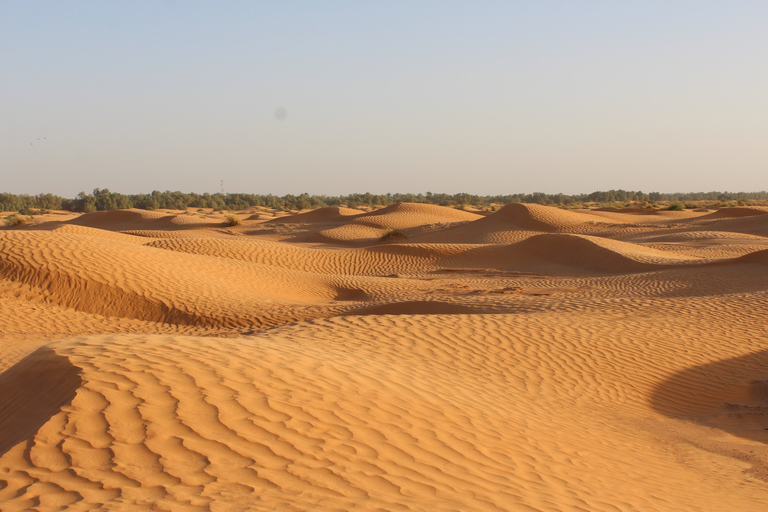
104,199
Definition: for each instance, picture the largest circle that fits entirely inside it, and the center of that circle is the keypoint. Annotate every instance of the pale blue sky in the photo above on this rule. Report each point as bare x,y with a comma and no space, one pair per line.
475,96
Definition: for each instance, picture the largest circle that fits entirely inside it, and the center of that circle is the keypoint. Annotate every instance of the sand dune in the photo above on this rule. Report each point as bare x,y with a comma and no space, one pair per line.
142,220
547,252
535,217
516,222
406,217
118,220
534,359
374,261
329,214
593,253
120,279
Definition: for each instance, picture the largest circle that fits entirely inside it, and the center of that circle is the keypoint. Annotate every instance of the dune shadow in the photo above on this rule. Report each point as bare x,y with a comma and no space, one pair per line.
31,392
730,395
416,307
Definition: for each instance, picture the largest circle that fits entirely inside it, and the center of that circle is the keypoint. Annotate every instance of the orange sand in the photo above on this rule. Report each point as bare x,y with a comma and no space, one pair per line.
533,359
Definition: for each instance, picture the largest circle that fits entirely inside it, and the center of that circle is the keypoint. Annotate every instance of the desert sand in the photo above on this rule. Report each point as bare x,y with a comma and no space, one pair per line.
529,359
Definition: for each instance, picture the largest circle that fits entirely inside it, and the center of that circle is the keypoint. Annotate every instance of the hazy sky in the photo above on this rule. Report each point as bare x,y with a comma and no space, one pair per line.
337,97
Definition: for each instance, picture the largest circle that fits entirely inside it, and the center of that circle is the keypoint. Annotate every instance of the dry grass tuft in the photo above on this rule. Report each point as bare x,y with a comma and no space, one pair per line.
232,220
16,219
391,234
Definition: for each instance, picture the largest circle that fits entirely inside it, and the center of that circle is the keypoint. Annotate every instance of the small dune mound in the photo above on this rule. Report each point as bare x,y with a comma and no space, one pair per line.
187,220
374,227
516,222
536,217
327,215
559,252
599,254
351,234
117,220
138,220
410,215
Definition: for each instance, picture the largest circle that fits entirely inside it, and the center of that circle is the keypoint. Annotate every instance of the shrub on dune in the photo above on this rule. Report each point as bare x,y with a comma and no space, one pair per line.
15,220
232,220
392,234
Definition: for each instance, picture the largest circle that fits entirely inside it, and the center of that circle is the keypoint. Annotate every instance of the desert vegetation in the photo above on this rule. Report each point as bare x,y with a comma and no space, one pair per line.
391,235
15,220
104,199
232,220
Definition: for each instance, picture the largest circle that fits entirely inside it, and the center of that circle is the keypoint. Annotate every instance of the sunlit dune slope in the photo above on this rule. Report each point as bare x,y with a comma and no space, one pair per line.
100,275
99,233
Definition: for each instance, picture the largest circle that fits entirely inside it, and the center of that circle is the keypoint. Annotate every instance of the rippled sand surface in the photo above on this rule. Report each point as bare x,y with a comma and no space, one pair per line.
531,359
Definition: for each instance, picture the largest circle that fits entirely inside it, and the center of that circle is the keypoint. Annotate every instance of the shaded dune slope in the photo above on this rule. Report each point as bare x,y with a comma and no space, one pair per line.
31,392
751,225
759,257
728,213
